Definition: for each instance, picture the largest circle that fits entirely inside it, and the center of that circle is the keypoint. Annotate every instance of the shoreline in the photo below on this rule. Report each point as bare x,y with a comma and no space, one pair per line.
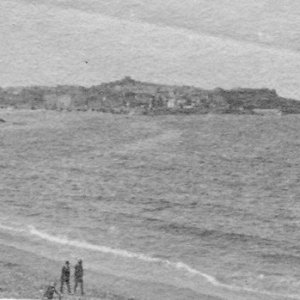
25,274
29,262
27,269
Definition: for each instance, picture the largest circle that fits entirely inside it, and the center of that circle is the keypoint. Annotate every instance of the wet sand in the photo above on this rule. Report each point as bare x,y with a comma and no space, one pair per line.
25,275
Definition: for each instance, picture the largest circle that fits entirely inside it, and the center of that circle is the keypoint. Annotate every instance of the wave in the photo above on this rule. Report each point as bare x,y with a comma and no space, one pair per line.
15,229
181,266
127,254
226,238
88,246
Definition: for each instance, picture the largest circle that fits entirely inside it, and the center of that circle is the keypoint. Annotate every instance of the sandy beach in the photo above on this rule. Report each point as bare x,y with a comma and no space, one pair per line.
25,275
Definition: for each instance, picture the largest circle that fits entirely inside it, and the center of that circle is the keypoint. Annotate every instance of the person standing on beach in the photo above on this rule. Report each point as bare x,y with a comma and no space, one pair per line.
50,291
65,277
78,276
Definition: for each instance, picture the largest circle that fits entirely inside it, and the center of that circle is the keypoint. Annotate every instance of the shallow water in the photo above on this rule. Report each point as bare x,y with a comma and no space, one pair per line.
179,200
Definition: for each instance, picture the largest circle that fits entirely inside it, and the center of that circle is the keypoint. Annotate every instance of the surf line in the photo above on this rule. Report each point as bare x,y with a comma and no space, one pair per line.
126,254
122,253
177,265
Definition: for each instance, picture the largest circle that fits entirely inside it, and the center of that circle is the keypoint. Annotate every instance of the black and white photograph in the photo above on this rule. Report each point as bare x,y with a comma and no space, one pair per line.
149,150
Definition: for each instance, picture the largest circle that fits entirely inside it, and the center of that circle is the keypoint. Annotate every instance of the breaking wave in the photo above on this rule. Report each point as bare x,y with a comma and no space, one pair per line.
127,254
181,266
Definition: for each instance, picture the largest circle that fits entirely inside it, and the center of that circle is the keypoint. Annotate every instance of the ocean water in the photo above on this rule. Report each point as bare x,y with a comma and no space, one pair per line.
181,200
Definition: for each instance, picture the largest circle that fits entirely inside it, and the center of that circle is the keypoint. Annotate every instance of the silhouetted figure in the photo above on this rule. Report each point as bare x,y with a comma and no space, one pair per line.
78,276
50,291
65,277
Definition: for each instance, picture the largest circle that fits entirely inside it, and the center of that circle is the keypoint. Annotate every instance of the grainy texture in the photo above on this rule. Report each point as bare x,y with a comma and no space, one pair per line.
202,190
202,43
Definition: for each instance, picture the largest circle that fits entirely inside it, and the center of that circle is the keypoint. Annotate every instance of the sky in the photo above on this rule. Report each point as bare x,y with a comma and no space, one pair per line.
206,43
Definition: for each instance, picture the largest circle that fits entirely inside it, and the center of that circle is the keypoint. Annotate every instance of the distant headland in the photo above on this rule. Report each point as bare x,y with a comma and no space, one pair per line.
128,95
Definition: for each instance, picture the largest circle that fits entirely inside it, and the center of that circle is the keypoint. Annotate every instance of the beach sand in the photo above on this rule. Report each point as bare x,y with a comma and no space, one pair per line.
25,275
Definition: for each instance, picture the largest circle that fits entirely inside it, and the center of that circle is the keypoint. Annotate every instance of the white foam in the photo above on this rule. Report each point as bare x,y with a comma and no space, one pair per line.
127,254
88,246
122,253
9,228
177,265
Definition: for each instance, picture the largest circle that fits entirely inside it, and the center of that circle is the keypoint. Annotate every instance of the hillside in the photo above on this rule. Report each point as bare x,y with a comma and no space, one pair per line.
128,95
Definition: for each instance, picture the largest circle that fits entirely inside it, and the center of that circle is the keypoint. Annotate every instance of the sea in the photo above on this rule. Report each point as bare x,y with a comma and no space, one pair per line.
188,201
198,202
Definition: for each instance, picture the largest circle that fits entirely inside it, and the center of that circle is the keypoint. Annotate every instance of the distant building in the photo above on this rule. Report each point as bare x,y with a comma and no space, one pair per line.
58,102
171,103
268,112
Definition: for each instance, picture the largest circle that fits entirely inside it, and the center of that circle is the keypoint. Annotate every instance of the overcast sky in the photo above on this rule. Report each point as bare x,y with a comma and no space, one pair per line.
207,43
